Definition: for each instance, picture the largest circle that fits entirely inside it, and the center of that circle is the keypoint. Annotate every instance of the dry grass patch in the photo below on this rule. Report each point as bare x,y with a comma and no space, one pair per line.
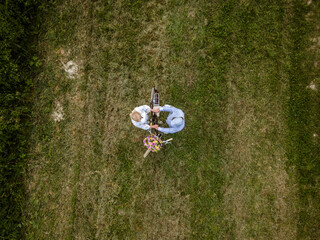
305,141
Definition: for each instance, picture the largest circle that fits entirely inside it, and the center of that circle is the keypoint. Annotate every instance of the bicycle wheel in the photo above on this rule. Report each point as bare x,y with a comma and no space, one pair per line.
152,95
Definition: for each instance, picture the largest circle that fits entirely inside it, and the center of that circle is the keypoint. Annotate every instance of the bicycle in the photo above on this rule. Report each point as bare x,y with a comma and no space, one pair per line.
154,104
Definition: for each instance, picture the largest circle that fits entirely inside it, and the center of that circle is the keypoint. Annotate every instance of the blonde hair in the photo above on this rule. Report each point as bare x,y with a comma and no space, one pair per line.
136,116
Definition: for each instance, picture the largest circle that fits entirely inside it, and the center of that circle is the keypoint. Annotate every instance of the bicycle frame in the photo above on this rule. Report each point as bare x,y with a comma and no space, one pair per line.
155,102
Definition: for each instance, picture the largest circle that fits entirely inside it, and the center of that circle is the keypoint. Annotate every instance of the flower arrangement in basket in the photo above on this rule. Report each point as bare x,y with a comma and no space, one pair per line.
153,143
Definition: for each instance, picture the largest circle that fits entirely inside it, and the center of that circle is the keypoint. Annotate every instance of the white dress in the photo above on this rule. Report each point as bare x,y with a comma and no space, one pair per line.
143,110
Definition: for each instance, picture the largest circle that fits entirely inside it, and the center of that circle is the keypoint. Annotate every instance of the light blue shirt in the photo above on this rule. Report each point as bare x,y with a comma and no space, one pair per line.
174,113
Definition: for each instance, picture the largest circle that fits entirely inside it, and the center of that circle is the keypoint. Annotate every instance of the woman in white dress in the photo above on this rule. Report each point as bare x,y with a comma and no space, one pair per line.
139,117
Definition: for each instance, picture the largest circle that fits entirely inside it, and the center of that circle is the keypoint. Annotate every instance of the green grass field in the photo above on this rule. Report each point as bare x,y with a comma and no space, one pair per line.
246,166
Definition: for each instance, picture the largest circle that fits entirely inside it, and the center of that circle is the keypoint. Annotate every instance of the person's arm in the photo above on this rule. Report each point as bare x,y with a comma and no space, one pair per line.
155,109
164,130
171,130
141,125
167,109
167,130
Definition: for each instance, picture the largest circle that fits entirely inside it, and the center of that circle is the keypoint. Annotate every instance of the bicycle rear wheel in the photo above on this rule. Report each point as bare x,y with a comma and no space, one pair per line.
152,95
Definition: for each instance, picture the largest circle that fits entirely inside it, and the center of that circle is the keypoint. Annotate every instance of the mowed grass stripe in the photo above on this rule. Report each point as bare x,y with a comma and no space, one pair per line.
210,130
206,51
103,94
303,115
259,196
52,169
147,203
83,44
120,57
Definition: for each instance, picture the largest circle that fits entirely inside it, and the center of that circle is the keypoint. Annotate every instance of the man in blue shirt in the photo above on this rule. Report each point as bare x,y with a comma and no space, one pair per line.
175,119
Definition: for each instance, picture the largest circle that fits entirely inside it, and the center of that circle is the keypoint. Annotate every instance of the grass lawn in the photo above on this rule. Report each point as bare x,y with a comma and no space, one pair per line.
246,166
